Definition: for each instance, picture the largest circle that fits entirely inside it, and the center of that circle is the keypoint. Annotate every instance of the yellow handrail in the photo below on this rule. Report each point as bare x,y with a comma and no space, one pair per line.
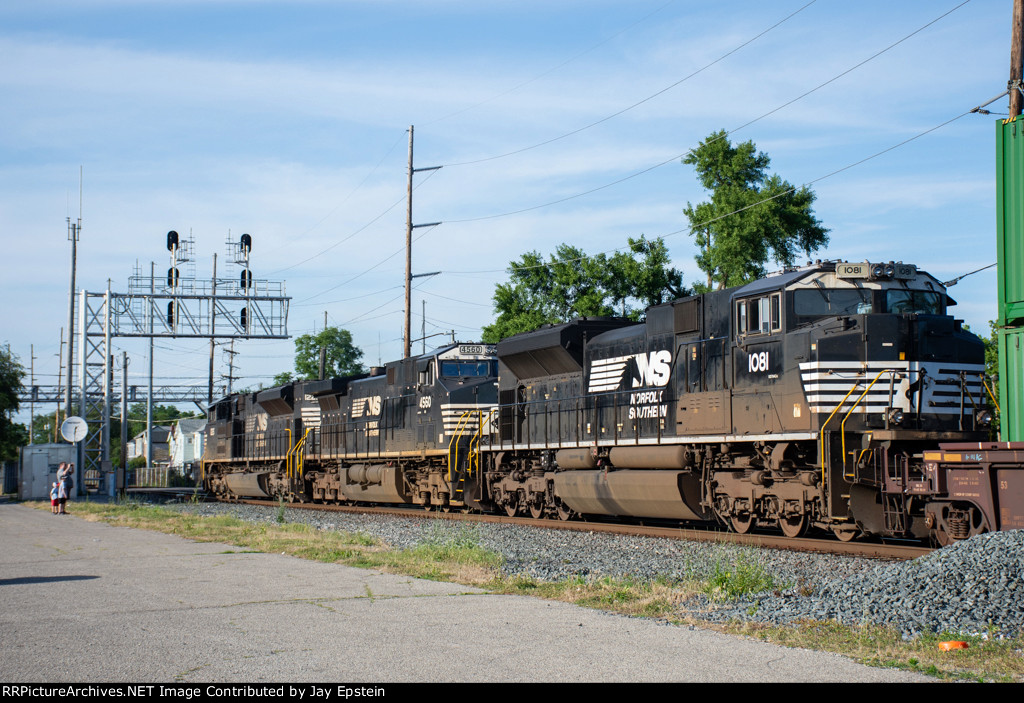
474,442
294,460
842,426
991,394
821,440
454,441
288,454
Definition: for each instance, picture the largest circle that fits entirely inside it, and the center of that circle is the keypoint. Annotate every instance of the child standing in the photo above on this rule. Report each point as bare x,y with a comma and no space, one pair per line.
62,498
53,498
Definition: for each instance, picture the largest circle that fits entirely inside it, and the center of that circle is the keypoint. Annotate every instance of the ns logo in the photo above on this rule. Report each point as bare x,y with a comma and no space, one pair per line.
646,370
653,369
366,406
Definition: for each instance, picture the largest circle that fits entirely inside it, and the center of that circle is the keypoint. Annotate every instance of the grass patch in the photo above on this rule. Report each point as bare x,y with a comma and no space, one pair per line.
653,599
740,577
455,553
986,659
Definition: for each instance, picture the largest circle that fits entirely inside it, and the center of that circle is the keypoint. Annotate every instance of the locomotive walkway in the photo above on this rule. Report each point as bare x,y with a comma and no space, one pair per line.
87,602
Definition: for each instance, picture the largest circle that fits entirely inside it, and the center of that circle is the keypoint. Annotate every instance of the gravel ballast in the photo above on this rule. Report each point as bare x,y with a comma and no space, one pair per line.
972,587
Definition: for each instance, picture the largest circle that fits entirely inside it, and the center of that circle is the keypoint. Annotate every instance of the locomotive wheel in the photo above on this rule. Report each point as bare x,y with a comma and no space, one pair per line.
844,534
512,506
741,524
563,510
536,510
942,538
793,526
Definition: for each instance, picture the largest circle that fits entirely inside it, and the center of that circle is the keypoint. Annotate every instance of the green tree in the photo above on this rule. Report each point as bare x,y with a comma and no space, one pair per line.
648,280
283,378
752,216
43,429
992,371
343,357
12,434
572,284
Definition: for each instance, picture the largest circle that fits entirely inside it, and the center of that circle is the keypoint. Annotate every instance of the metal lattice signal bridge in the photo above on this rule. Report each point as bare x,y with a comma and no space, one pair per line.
166,306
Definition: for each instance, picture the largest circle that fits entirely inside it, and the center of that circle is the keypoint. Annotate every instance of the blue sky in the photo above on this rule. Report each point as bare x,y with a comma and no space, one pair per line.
288,120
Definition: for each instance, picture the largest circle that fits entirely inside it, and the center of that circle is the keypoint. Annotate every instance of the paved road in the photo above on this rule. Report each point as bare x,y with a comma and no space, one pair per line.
85,602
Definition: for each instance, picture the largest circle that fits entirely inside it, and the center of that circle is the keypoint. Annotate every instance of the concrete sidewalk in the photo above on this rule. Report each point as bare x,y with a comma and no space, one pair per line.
85,602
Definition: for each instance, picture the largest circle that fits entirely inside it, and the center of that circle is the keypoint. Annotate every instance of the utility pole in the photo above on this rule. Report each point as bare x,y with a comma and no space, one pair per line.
406,353
1016,57
32,382
124,420
60,368
74,230
409,227
231,366
149,394
213,326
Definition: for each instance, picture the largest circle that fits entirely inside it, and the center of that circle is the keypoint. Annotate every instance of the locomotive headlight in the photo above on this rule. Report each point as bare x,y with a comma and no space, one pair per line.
983,418
890,270
895,416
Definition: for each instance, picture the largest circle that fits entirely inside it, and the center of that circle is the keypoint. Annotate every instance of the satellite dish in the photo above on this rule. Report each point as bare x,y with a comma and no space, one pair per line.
74,429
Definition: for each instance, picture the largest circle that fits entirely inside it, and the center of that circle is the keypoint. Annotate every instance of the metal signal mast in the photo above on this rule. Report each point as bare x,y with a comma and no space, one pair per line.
177,305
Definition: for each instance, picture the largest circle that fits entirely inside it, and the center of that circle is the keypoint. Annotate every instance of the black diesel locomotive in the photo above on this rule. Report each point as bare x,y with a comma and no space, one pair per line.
390,436
840,397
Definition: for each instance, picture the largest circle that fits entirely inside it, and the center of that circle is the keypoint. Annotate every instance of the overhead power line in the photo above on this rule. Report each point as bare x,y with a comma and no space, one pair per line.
641,102
724,135
705,223
550,70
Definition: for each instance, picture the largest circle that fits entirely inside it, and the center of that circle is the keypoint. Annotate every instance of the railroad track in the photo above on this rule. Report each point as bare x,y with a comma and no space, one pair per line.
872,550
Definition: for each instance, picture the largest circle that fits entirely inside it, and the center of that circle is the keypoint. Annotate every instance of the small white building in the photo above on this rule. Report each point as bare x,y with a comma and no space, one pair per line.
137,446
39,463
185,443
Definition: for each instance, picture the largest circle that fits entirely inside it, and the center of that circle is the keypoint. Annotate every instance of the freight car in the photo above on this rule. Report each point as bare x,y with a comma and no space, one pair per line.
838,397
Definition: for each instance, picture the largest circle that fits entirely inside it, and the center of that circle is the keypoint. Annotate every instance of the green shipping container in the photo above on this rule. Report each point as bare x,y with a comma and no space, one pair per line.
1010,276
1010,219
1011,380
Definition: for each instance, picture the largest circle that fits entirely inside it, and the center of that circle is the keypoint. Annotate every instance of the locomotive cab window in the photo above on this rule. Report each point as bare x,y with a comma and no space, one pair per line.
463,369
426,374
925,302
759,315
813,304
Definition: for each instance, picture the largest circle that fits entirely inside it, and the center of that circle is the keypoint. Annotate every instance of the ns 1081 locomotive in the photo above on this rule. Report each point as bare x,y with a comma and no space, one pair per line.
839,397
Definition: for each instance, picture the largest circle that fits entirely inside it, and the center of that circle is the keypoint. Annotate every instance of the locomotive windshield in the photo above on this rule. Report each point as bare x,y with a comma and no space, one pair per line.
825,302
921,301
461,369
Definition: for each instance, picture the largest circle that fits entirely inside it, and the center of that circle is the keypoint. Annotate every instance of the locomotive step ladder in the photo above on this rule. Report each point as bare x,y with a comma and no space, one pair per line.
464,451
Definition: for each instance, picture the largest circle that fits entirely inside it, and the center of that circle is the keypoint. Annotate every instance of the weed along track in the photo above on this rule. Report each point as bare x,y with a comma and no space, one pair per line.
703,533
